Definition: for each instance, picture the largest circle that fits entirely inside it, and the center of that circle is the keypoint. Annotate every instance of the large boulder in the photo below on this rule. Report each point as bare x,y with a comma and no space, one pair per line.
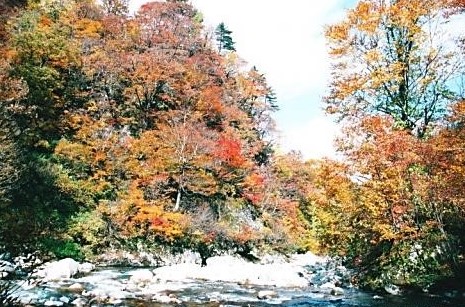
86,267
236,270
62,269
142,276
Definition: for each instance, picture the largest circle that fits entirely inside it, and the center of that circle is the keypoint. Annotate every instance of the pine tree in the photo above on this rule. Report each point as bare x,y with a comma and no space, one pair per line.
224,39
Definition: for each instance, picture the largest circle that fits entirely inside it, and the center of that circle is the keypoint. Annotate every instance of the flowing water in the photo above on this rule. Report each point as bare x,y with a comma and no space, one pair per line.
114,283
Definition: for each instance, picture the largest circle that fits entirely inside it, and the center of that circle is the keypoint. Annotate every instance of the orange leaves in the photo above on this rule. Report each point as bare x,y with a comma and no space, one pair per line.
254,188
229,151
210,99
136,215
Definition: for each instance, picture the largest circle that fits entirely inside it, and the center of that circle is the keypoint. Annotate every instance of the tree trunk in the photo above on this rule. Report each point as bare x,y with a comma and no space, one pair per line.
178,200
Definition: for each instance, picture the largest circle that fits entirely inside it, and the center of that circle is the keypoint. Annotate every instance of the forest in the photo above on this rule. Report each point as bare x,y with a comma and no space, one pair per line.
122,130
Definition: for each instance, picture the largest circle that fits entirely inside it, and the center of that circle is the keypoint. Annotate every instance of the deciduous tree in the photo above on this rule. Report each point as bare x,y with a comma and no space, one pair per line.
393,58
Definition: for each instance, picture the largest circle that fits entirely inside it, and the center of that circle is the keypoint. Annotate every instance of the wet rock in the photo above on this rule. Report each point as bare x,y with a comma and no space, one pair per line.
53,302
141,276
115,301
5,256
76,287
328,285
79,302
392,289
6,268
266,294
333,288
337,291
86,267
166,299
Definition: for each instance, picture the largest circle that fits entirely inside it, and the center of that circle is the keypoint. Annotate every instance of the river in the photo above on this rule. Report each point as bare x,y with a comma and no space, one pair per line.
113,287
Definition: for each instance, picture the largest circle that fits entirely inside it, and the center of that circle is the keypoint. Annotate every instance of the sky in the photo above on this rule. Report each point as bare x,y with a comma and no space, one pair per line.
285,41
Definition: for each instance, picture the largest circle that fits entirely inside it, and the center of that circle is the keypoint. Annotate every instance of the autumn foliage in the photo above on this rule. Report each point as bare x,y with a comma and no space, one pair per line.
121,129
393,209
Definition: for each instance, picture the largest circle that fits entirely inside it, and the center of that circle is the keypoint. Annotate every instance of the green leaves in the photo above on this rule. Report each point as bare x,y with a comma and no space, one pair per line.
223,38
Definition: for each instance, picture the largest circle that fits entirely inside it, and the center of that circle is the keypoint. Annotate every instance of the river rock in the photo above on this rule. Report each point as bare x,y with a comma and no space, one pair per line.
86,267
114,301
6,268
76,287
333,288
79,302
328,285
133,259
266,294
5,256
337,291
166,299
64,268
141,276
53,303
392,289
236,270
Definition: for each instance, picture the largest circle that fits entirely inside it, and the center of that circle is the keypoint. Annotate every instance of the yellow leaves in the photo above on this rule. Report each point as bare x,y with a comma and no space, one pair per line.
387,53
338,32
348,86
366,16
73,151
87,28
339,37
405,13
204,183
373,56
